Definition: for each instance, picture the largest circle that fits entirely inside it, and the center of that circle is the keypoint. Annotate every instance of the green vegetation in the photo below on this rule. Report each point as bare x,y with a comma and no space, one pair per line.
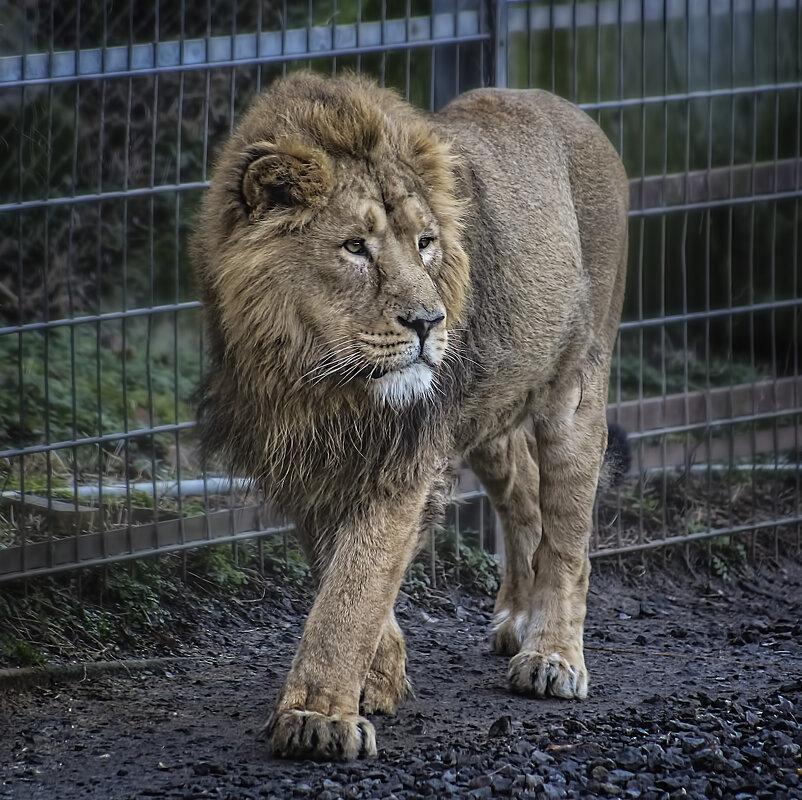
155,604
652,370
727,556
84,381
143,606
671,504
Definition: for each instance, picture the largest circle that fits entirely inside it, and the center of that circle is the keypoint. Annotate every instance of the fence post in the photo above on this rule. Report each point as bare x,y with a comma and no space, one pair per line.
500,43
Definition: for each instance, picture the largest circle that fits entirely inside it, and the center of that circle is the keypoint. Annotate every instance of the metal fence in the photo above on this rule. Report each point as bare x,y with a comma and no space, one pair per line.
110,116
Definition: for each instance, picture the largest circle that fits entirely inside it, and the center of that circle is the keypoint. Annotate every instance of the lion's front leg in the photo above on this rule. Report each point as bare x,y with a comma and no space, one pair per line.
317,713
570,452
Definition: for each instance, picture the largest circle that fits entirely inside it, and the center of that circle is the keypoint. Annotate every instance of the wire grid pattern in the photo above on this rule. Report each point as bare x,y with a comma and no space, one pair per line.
110,117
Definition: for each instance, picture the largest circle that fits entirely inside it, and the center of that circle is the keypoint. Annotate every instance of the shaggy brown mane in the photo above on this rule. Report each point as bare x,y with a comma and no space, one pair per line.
254,392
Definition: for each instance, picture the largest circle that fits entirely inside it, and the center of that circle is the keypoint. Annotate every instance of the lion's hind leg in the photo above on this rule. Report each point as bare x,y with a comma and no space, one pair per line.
570,452
508,470
386,684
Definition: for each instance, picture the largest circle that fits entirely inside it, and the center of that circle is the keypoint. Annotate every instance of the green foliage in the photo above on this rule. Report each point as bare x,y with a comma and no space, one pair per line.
728,556
458,562
80,382
141,591
216,564
21,652
122,608
650,370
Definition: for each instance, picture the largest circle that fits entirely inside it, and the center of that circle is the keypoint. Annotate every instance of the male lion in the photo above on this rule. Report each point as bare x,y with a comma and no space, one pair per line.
386,291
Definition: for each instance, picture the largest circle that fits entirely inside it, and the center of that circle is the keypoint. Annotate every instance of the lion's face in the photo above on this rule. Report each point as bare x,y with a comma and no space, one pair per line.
370,296
360,276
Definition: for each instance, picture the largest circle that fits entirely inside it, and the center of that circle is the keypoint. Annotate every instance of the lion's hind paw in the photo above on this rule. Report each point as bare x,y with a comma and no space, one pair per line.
309,734
547,676
383,695
507,632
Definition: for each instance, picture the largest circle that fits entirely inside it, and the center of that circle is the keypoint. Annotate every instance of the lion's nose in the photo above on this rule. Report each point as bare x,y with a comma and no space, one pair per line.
422,325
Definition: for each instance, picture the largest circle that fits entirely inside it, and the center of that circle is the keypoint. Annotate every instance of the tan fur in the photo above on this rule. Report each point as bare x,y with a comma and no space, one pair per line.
340,221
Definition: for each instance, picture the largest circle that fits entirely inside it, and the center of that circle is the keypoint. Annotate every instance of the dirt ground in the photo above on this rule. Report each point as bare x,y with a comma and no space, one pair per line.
696,692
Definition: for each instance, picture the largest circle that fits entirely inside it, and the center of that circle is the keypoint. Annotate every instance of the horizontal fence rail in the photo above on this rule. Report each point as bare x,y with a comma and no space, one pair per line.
244,49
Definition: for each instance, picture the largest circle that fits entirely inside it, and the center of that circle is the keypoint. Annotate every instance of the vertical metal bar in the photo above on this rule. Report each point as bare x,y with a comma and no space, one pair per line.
124,289
177,278
154,132
102,512
46,266
641,239
530,80
21,405
482,523
776,479
383,70
730,292
751,272
333,36
457,543
795,259
597,23
358,34
574,56
259,67
664,490
684,279
71,309
501,33
708,284
483,76
408,52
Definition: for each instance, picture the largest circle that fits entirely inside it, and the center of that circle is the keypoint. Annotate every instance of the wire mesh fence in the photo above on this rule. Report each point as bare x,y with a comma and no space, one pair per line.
110,118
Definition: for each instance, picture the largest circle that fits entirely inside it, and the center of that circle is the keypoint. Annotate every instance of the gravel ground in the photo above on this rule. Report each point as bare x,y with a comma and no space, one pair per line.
696,692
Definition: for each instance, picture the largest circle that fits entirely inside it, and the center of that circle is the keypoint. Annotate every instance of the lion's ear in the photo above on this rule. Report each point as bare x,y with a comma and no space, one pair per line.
286,176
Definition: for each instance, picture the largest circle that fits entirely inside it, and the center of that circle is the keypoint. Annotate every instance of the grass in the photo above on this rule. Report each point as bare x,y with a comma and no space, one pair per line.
150,606
158,605
664,505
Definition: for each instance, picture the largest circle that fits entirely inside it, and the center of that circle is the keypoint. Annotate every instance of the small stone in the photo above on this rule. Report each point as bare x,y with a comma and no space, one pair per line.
620,776
629,758
501,727
532,782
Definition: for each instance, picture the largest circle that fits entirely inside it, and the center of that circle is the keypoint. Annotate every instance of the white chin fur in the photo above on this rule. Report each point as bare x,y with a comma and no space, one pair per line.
401,387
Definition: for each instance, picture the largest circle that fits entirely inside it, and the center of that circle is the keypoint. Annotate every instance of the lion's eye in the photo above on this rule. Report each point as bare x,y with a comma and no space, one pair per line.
356,247
424,242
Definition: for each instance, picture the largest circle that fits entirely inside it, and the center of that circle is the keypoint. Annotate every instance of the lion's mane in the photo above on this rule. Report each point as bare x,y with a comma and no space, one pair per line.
294,437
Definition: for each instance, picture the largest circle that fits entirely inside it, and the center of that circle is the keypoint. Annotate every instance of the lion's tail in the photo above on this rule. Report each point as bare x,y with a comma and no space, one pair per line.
617,458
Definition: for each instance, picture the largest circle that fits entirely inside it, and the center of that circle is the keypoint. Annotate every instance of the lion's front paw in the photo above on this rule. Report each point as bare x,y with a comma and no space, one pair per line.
552,675
309,734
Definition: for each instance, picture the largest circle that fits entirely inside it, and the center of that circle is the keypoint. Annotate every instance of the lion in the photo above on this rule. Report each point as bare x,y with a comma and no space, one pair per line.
387,292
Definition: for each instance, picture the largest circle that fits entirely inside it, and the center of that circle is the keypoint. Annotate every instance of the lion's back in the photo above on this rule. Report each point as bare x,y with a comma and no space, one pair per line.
543,173
546,235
